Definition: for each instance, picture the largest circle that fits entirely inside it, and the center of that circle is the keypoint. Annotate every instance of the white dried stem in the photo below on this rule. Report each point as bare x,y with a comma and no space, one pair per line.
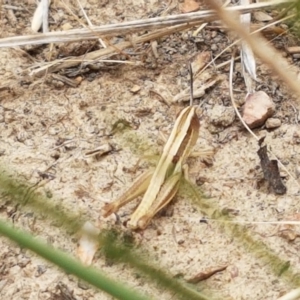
247,56
45,10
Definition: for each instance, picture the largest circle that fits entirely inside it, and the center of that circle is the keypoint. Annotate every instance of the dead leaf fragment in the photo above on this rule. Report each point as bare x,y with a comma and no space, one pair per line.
262,16
88,243
189,6
206,274
257,109
270,170
135,89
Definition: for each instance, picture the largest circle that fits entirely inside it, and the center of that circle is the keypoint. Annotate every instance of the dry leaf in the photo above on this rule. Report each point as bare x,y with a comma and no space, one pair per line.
206,274
189,6
270,170
262,16
88,243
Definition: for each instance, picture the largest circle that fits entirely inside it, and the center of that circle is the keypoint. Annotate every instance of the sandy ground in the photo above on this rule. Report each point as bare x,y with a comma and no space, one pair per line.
48,127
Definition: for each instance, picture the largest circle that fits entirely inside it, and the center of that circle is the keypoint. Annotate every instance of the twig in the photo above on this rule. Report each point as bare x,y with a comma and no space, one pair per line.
128,27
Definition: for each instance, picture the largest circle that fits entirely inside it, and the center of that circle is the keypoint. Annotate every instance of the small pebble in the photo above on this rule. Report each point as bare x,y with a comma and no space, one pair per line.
257,109
213,47
297,171
273,123
83,285
135,89
221,116
67,26
78,79
41,269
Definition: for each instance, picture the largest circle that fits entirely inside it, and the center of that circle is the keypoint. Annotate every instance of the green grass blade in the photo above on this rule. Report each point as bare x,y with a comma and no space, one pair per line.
69,264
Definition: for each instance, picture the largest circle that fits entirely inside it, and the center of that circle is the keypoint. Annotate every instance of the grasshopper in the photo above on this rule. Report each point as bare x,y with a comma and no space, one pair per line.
161,186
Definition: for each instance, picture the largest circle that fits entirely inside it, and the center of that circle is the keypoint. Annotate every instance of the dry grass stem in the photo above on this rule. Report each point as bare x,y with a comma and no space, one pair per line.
57,65
127,27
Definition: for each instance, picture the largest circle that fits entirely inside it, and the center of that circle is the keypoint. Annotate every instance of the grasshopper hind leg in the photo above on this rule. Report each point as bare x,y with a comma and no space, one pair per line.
138,188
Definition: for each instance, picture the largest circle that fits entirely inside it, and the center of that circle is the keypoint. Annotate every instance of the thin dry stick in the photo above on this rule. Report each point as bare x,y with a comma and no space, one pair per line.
281,222
127,27
90,23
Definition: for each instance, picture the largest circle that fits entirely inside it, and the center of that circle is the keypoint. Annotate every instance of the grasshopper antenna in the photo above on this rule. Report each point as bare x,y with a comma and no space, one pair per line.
191,85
